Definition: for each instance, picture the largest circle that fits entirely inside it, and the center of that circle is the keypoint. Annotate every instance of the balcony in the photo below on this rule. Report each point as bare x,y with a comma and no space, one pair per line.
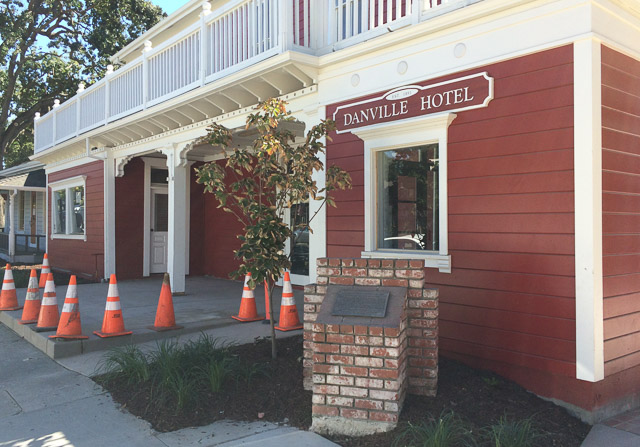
241,34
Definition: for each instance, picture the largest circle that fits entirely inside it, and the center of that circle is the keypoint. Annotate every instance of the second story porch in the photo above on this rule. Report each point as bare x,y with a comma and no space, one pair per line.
212,56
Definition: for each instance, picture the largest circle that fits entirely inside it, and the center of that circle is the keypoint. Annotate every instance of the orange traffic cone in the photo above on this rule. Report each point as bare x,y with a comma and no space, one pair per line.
165,317
49,316
112,323
8,297
32,301
69,326
289,320
248,311
44,273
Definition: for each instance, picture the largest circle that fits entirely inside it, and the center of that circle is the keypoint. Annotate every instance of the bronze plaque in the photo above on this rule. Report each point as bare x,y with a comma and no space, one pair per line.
361,303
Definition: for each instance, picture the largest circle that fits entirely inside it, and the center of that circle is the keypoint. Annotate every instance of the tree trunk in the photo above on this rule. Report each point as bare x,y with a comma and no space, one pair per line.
274,348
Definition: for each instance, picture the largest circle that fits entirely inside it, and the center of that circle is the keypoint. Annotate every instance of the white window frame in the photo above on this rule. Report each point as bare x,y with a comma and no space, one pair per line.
403,134
67,184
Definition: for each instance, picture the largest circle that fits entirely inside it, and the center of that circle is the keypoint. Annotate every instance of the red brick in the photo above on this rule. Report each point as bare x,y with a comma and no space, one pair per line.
340,338
422,362
318,399
341,280
395,283
317,327
416,283
352,271
361,340
402,263
313,299
353,392
391,363
431,314
430,293
334,328
383,395
310,288
385,352
322,347
369,361
323,410
392,342
325,369
318,358
368,404
351,413
309,308
422,323
346,329
321,261
339,380
416,264
374,263
340,401
340,359
335,262
383,373
410,274
316,336
377,331
347,262
414,294
391,332
369,383
326,389
361,263
380,273
386,263
393,385
367,282
423,343
376,341
360,330
322,280
354,371
354,350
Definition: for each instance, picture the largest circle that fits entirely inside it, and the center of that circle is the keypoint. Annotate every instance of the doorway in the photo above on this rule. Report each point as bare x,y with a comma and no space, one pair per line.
159,230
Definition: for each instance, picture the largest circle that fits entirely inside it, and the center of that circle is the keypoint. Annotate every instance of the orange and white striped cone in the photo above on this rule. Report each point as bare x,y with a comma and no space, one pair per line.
289,320
112,323
248,311
69,326
44,273
49,315
8,297
32,301
165,316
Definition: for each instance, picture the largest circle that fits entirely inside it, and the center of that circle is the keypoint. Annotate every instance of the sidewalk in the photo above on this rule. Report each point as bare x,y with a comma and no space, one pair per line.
45,402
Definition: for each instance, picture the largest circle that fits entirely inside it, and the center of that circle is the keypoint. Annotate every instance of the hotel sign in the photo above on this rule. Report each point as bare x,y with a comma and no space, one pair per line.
469,92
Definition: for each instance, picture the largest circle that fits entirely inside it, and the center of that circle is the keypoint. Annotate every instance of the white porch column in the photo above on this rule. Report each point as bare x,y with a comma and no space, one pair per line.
588,209
12,224
109,216
178,228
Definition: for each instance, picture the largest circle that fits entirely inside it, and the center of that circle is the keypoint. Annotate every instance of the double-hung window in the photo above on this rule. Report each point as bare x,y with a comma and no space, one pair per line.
68,215
406,190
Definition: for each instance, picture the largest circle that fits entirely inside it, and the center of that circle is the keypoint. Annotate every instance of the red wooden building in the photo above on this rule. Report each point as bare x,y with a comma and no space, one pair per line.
498,141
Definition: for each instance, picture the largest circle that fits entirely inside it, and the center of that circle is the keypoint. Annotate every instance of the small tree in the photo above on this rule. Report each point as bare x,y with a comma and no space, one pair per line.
268,178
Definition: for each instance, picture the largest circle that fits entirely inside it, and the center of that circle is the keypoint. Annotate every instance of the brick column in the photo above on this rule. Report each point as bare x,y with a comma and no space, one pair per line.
345,376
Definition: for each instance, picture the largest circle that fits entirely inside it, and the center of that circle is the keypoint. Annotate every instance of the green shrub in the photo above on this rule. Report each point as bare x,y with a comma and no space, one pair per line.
508,433
128,362
446,431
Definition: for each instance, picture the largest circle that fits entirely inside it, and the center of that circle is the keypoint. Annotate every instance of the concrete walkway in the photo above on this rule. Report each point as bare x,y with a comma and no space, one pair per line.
45,402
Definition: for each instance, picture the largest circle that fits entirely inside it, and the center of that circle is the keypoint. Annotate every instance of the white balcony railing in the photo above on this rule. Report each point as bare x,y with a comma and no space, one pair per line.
225,41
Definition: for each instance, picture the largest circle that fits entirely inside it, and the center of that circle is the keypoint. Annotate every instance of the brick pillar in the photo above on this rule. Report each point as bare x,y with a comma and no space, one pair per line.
371,399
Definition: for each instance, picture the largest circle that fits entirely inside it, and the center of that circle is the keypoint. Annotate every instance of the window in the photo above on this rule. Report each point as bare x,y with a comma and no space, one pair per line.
68,208
405,187
408,198
299,219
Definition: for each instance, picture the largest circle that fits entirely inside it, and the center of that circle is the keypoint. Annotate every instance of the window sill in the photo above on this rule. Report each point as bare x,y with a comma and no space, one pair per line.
431,260
82,237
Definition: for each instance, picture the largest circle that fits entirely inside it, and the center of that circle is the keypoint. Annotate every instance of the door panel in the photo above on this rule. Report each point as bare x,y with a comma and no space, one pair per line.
159,231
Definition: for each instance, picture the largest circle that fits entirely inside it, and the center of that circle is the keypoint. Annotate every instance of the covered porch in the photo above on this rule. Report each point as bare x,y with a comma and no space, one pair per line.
207,307
22,213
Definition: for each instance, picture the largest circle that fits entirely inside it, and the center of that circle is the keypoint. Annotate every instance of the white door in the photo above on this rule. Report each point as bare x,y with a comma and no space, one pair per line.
159,231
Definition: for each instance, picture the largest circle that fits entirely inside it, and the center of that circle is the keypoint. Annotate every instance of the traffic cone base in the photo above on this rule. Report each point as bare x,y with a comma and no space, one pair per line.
289,320
70,327
165,316
248,311
32,301
112,323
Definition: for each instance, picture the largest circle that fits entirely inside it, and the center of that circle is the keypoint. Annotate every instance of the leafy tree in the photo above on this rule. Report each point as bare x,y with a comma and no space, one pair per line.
266,180
48,46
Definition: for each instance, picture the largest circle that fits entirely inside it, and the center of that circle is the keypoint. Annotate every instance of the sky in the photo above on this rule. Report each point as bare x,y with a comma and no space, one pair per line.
169,5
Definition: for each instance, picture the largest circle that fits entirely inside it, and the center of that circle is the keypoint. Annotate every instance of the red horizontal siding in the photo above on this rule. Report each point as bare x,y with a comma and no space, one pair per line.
621,209
511,295
79,256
